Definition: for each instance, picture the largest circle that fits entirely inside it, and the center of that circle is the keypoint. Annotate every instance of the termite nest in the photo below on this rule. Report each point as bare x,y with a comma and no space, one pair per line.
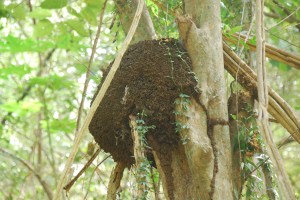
151,76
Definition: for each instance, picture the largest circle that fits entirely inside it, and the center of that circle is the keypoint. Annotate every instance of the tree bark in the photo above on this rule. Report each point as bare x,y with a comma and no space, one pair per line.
115,180
139,155
126,11
191,167
263,101
201,34
237,105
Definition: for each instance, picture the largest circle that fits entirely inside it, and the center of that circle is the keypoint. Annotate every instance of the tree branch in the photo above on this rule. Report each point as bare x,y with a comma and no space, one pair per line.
83,169
30,168
87,74
114,181
145,29
272,52
28,88
278,108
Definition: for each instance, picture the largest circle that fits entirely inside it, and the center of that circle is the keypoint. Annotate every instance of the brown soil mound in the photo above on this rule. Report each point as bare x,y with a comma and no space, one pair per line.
151,76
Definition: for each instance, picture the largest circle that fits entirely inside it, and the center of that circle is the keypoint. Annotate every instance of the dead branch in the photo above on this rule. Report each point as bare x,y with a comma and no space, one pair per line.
87,74
145,29
139,155
115,180
284,141
272,52
278,108
84,168
262,105
30,168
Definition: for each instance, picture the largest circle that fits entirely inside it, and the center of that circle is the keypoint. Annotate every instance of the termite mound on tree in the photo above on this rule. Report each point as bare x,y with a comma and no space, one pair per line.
151,76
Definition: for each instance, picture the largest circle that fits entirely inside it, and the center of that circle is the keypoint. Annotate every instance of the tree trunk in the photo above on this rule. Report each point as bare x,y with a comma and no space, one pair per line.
126,11
200,166
202,37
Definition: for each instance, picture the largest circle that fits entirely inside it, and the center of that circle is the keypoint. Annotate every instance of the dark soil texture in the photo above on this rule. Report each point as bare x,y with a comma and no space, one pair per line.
152,74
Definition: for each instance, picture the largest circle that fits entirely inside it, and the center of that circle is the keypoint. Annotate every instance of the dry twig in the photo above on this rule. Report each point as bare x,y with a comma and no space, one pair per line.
278,108
262,121
87,74
84,168
139,155
115,180
30,168
272,52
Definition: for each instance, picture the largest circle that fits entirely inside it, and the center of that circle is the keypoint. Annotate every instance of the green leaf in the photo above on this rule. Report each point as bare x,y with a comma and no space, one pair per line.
14,70
281,66
235,30
3,11
60,125
13,44
22,108
40,13
1,130
73,12
96,3
39,81
32,106
53,82
78,27
153,7
233,117
252,40
54,4
90,14
17,11
70,42
42,28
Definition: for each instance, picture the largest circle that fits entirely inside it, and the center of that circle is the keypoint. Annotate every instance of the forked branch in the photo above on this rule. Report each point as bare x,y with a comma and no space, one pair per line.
278,108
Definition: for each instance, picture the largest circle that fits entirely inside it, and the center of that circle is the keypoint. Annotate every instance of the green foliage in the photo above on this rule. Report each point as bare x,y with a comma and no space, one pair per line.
280,66
142,128
53,82
143,172
43,28
248,130
62,125
78,27
14,44
16,71
166,25
182,103
249,144
22,108
44,55
89,13
40,13
230,31
95,3
54,4
17,12
255,183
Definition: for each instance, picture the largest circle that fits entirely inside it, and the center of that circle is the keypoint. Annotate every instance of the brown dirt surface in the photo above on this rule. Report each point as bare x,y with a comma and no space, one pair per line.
152,74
